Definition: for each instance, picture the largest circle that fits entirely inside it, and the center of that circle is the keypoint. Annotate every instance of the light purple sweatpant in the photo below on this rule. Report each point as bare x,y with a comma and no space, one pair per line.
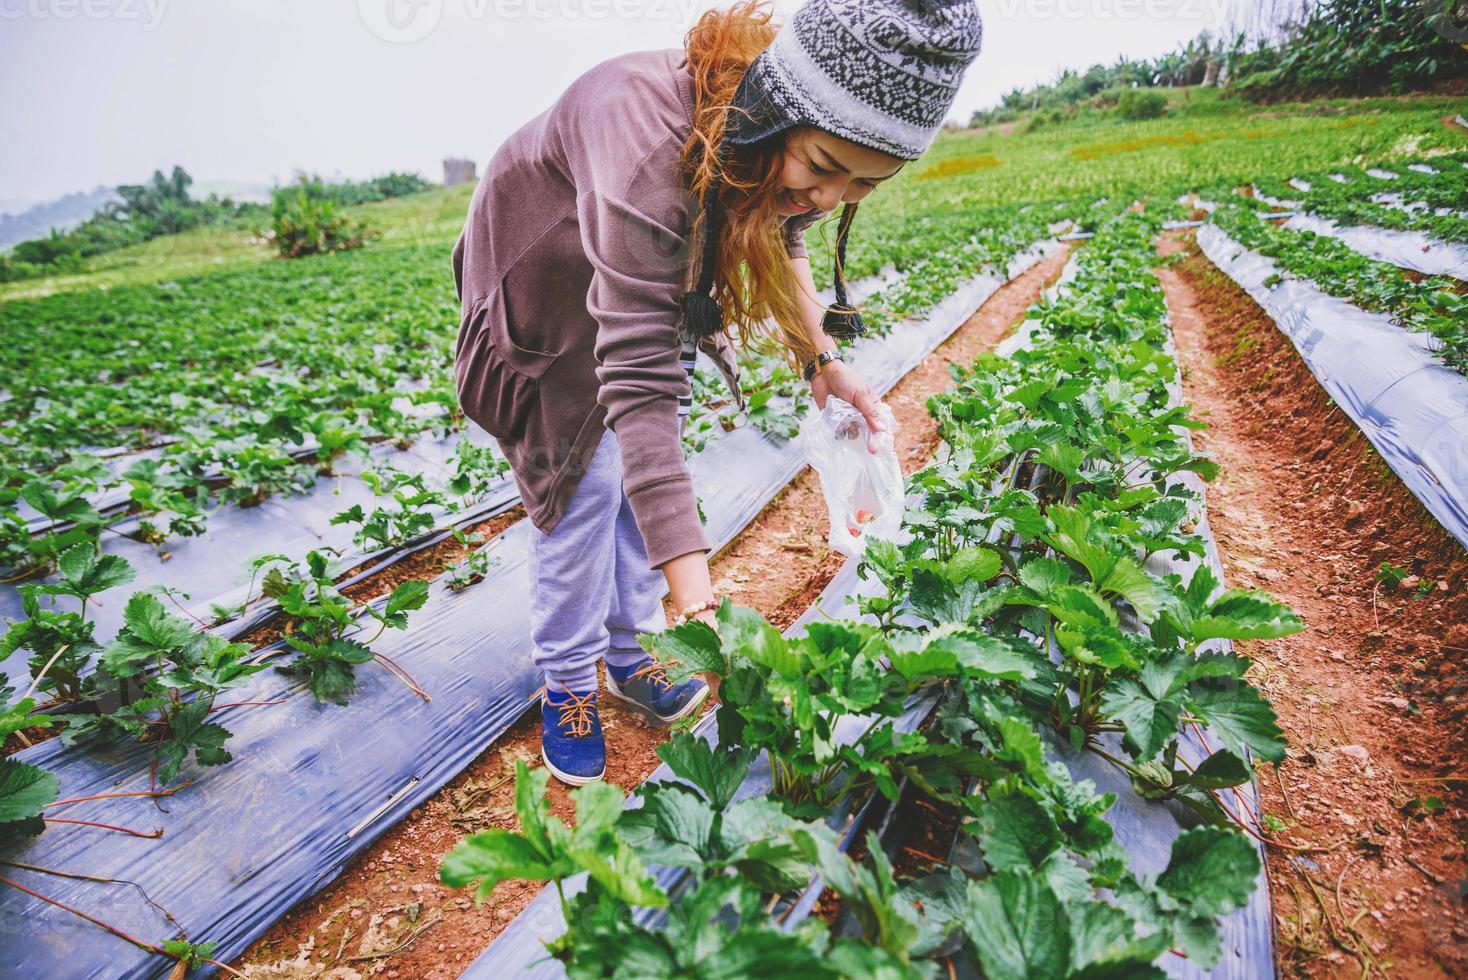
592,591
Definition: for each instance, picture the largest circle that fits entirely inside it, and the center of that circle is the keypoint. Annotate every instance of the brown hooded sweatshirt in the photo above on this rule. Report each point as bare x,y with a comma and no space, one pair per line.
569,271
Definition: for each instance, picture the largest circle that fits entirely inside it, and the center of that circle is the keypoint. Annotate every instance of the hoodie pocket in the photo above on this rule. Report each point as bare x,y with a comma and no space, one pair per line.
498,380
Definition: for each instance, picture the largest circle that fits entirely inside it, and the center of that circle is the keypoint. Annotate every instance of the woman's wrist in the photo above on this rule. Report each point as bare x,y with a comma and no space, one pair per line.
820,362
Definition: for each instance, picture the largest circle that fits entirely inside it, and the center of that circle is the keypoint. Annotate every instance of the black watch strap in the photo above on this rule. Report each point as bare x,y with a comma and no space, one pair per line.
822,359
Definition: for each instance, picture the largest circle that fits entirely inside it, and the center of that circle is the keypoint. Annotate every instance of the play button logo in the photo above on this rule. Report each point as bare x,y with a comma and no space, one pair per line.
400,21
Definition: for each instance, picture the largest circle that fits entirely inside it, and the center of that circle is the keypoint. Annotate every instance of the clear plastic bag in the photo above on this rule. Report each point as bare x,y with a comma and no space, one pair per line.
863,489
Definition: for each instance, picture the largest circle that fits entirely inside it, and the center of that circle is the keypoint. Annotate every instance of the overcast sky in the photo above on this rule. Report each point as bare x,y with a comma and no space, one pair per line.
105,91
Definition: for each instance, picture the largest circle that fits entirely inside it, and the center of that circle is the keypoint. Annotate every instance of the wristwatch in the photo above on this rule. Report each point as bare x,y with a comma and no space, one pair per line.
822,359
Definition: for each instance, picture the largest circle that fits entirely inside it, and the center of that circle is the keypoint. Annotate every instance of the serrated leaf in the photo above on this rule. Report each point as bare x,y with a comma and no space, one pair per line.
492,856
685,650
718,773
598,805
1080,605
1211,872
1127,579
406,597
1246,615
1240,717
17,717
973,564
24,791
1044,575
1220,770
1018,927
1148,720
1015,832
150,625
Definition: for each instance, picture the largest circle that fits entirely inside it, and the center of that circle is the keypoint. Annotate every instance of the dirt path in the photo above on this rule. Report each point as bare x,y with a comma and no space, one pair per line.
777,565
1372,696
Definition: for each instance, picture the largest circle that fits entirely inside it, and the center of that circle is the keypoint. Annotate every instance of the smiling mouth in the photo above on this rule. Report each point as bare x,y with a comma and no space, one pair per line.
791,202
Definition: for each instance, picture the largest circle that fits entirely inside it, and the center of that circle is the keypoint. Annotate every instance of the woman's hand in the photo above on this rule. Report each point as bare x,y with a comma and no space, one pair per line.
841,380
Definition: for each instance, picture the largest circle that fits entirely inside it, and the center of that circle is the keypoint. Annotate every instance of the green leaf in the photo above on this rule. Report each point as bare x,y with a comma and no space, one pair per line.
916,657
1220,770
980,653
598,805
973,564
1044,575
1246,615
1023,747
1211,872
685,650
84,573
718,773
1015,832
1018,927
767,648
1240,717
150,625
1105,948
188,730
1080,605
492,856
1149,722
1071,538
408,596
17,717
25,791
530,804
59,507
1127,580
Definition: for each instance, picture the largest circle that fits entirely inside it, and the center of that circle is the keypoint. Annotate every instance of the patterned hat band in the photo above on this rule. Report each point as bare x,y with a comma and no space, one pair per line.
880,73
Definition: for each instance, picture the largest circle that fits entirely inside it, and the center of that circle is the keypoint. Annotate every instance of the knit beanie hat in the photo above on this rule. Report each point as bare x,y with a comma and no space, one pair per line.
880,73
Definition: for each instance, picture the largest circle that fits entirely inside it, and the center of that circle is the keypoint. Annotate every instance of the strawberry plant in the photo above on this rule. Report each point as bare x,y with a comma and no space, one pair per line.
477,471
61,643
179,672
324,634
475,564
412,514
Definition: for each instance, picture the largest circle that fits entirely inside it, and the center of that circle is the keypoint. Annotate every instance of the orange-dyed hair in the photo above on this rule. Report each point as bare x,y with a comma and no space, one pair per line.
753,281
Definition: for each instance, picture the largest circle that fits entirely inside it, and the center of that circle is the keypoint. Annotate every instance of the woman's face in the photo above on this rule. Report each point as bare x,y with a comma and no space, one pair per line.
821,171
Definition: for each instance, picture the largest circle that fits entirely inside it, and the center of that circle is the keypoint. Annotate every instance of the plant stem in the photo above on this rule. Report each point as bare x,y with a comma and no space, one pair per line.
31,690
114,796
407,678
141,944
106,826
100,879
242,704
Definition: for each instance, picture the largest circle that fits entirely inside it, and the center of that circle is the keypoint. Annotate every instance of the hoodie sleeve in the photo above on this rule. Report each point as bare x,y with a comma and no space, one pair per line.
634,213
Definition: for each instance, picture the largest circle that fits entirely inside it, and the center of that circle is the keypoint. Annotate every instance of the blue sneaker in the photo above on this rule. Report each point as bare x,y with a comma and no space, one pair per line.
645,685
571,741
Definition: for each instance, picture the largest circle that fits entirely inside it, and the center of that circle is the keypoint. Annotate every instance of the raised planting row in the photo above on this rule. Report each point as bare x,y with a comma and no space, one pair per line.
1060,642
1430,196
1389,381
1432,305
307,792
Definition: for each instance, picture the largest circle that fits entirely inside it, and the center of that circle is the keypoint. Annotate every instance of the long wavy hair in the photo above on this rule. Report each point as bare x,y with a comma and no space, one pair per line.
753,280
